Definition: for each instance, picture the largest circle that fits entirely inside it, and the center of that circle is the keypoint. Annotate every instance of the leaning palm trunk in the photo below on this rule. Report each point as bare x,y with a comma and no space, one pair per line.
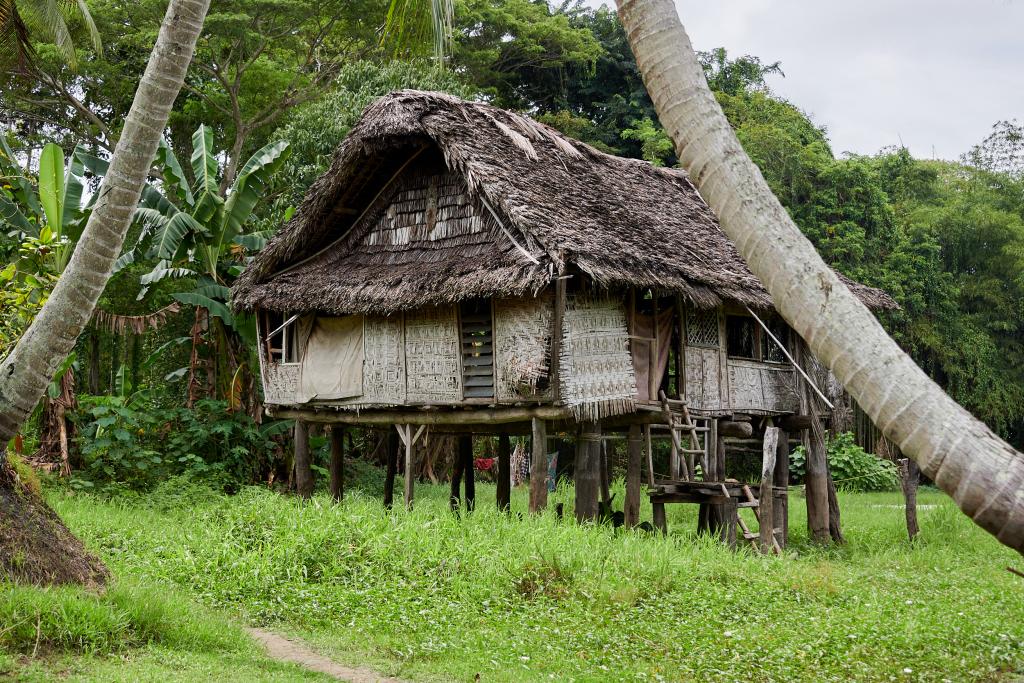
983,474
34,545
26,372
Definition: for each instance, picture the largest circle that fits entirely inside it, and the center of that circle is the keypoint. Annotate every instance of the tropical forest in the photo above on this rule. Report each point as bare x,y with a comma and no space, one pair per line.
491,340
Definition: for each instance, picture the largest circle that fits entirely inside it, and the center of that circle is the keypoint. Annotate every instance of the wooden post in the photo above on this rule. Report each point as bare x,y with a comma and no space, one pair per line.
766,499
556,339
391,458
409,476
835,527
504,496
708,465
909,474
337,482
782,482
718,513
816,476
634,445
658,516
728,527
538,466
303,466
587,470
650,455
603,480
466,455
454,501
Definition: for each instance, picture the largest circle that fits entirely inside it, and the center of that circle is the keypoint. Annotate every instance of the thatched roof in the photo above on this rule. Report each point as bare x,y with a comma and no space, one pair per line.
549,204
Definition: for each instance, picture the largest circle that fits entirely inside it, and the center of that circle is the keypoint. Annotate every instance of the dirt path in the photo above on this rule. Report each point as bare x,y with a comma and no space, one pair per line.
282,649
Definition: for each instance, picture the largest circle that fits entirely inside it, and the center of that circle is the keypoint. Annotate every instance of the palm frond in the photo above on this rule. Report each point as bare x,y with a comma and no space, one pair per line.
411,24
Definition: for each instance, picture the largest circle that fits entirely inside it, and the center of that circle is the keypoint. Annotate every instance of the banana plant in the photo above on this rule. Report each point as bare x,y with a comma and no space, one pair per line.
49,212
189,229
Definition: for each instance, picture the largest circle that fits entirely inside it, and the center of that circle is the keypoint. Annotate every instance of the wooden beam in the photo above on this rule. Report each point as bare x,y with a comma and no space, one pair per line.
337,467
631,508
303,466
734,429
538,466
484,416
456,482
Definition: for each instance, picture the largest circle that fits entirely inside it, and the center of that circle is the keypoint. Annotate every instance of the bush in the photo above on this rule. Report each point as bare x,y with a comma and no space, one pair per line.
852,468
130,441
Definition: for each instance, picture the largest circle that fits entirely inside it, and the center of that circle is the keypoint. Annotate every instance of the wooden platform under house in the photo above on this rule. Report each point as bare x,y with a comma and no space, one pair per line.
461,269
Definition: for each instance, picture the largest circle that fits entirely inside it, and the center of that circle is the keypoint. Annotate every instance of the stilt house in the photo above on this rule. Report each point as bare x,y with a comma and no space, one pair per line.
468,268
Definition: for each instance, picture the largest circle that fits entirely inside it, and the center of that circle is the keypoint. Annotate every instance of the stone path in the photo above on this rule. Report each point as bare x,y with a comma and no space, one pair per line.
282,649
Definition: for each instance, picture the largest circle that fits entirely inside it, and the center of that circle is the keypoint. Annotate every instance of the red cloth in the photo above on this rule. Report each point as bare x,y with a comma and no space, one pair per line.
483,464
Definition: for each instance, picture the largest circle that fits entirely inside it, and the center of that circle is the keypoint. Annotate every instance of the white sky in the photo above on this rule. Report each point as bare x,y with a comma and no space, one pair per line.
934,74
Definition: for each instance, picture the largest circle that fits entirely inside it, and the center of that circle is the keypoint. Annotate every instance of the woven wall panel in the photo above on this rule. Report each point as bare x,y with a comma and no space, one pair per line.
432,356
280,383
383,361
522,339
596,368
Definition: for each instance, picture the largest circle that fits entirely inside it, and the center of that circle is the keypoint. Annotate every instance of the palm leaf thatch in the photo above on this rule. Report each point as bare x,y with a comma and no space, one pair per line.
552,205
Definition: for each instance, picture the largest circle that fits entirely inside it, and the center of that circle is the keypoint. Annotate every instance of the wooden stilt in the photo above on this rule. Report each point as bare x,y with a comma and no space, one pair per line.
466,455
538,466
909,474
708,465
631,509
658,513
410,478
835,525
303,465
730,510
782,482
650,455
456,482
337,467
391,456
504,497
604,482
587,470
766,502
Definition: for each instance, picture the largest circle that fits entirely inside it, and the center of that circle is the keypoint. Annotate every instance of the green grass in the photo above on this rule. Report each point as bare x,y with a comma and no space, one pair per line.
428,596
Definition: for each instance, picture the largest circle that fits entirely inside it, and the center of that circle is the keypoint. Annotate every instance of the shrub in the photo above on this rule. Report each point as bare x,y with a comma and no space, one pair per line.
852,468
127,440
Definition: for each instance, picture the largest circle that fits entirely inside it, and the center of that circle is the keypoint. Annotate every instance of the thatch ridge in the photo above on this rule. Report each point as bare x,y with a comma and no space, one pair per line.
565,204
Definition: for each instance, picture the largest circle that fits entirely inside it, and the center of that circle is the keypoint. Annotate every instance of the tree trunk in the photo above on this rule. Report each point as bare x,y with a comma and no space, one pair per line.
983,474
28,369
909,475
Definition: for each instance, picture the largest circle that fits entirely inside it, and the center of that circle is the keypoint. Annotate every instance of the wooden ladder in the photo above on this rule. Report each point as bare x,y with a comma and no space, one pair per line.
680,465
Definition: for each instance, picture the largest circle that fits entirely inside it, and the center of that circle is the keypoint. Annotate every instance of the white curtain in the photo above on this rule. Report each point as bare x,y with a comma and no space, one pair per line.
332,362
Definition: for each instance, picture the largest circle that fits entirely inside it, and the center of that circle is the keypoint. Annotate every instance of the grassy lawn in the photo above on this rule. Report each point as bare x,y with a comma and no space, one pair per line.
429,596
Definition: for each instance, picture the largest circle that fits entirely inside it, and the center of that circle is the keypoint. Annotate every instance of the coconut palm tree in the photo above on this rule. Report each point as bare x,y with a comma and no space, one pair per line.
983,474
47,550
47,20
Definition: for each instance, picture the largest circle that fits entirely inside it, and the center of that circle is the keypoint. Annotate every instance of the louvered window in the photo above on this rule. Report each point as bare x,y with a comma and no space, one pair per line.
477,349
